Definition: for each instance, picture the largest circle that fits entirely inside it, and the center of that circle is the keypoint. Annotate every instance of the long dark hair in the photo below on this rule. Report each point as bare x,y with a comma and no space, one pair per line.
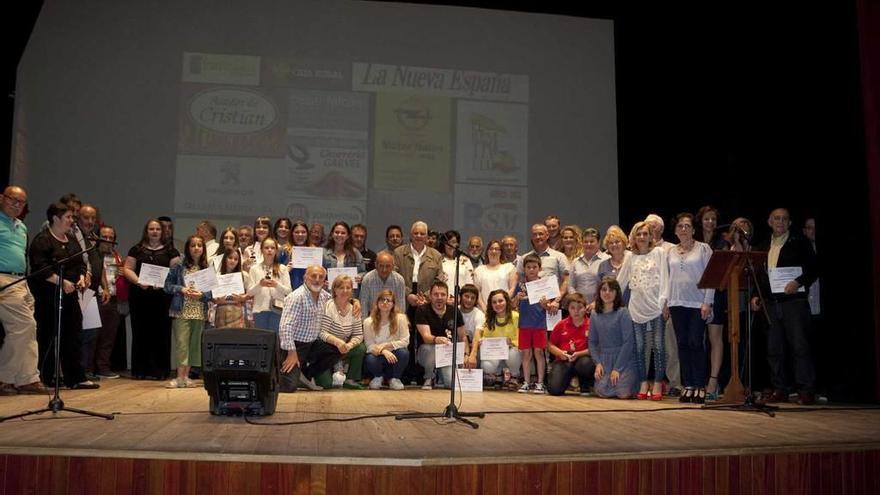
145,239
188,261
491,315
220,248
614,285
348,246
226,255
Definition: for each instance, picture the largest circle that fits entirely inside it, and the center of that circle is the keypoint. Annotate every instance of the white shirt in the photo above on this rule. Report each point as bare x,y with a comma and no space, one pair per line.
465,272
263,296
473,320
417,261
685,272
488,278
647,276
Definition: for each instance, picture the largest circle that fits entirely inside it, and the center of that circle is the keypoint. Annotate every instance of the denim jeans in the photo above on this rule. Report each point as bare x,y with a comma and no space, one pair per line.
267,320
650,337
378,366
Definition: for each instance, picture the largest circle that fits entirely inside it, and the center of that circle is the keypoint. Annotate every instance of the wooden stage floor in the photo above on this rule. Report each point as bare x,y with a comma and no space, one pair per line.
157,423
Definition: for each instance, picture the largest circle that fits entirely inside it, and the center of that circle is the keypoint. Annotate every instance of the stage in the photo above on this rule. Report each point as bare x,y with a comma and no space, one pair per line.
164,440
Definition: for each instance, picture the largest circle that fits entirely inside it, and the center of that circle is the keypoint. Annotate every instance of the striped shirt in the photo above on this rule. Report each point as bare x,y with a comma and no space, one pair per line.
301,317
345,327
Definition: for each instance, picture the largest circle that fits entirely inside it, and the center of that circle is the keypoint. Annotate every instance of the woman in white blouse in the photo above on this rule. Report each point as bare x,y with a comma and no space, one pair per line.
689,306
386,334
270,284
494,274
647,276
448,244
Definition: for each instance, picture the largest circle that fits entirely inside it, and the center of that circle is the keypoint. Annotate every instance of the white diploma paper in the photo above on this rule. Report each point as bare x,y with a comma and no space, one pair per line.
352,272
202,280
228,285
779,277
494,348
88,303
470,380
153,275
553,319
443,354
304,257
543,287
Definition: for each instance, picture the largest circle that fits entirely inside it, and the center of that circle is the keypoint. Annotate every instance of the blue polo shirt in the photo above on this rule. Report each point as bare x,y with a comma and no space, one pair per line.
13,244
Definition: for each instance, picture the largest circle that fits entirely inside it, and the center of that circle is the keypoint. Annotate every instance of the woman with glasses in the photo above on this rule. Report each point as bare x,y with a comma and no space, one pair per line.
386,335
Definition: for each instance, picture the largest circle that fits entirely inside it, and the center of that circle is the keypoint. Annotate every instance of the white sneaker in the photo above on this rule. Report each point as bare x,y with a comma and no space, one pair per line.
175,383
395,384
428,385
309,383
338,379
539,389
524,389
376,383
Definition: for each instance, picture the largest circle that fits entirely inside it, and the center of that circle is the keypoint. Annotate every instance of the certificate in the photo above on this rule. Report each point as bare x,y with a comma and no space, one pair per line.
88,304
202,280
779,277
494,348
153,275
543,287
352,272
304,257
443,354
470,380
228,285
553,319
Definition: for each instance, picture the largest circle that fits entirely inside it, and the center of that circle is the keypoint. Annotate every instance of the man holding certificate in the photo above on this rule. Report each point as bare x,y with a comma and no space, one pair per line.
791,269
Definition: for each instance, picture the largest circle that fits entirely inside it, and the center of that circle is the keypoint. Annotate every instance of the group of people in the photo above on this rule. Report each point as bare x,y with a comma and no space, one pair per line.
380,325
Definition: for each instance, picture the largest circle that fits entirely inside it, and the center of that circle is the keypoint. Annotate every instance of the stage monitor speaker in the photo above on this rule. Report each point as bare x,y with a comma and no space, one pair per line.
240,369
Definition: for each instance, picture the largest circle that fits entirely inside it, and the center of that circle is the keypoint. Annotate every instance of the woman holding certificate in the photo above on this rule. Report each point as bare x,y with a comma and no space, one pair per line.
228,240
189,309
233,310
690,307
56,243
502,322
300,238
150,260
270,284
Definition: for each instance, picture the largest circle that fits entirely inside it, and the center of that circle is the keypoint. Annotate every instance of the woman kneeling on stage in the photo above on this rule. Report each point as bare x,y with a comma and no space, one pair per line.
612,344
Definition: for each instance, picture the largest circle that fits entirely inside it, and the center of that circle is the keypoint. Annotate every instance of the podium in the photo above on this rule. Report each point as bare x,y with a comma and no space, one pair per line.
728,270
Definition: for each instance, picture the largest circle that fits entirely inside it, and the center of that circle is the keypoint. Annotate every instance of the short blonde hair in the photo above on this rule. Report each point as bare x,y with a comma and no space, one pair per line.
614,232
337,283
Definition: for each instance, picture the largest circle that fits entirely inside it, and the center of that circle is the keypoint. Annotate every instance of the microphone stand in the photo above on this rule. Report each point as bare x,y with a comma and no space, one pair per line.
749,403
451,412
56,405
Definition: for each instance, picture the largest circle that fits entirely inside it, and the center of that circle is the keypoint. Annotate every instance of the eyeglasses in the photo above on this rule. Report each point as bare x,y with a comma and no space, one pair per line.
386,300
15,201
684,226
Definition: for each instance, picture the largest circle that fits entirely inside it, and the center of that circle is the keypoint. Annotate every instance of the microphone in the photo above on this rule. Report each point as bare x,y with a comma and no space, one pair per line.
93,238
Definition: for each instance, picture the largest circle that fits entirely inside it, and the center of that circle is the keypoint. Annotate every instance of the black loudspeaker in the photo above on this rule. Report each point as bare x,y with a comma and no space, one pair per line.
240,370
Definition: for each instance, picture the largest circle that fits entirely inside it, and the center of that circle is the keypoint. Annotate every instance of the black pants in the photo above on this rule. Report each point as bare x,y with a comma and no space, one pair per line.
71,330
562,372
788,339
307,354
690,332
